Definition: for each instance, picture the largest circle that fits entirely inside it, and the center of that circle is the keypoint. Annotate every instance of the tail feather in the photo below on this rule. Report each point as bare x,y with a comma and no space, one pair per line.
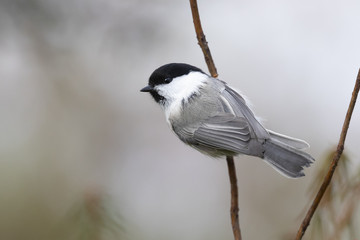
293,142
288,160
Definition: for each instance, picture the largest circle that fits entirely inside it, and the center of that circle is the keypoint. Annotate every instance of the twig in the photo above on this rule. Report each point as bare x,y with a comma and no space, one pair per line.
202,39
334,162
234,210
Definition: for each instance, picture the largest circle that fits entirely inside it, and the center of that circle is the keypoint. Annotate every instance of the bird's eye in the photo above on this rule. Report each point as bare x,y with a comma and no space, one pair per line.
168,80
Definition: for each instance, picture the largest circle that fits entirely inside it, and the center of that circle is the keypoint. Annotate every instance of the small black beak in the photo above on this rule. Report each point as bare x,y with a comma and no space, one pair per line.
147,89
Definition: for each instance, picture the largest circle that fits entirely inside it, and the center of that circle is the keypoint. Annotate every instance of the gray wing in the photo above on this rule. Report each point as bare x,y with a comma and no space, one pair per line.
224,133
240,108
233,129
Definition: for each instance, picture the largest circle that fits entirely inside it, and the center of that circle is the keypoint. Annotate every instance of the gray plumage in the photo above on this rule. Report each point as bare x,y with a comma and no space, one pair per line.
216,120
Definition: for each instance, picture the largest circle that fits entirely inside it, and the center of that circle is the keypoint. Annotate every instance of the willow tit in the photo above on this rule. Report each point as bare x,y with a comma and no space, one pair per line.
210,116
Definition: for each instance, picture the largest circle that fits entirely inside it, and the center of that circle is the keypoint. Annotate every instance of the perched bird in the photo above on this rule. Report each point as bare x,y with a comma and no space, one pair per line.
210,116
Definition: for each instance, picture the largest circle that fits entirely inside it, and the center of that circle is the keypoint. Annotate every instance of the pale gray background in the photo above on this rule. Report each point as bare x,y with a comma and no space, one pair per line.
73,119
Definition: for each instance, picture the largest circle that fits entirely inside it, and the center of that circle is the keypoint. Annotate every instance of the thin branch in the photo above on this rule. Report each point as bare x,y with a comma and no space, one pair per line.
202,39
334,162
234,209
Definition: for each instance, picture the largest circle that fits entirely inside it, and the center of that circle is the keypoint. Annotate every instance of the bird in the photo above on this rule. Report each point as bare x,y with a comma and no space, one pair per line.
215,119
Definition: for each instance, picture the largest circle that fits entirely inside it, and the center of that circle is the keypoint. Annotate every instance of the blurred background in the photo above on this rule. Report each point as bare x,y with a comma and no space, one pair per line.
85,155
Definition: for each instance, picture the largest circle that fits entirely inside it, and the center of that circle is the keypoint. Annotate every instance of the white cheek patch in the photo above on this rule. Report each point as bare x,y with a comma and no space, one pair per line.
180,89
